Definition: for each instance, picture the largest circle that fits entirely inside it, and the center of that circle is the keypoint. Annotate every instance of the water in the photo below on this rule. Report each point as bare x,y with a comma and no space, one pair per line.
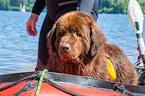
18,50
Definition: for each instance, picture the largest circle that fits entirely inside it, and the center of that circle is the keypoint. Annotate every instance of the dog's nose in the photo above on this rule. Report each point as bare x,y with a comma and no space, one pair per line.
65,47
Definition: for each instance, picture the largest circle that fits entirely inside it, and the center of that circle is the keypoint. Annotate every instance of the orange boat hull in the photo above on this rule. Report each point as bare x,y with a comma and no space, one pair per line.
48,90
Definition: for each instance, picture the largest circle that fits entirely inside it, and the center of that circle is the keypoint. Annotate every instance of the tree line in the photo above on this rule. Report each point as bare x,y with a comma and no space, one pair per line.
14,5
117,6
105,6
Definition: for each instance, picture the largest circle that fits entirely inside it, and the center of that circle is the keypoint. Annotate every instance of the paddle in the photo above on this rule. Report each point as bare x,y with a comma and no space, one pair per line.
135,17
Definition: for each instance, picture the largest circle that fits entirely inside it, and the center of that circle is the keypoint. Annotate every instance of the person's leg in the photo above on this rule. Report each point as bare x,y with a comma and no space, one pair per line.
86,6
89,7
42,47
94,12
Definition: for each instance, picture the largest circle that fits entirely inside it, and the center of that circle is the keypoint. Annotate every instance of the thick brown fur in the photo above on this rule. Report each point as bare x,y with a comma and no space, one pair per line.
76,45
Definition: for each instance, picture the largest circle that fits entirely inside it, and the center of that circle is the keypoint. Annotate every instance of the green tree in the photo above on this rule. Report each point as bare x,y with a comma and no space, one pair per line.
105,6
142,4
15,4
119,6
4,4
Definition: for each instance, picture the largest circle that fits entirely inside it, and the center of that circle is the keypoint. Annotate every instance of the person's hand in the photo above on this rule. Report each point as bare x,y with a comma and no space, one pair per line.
31,25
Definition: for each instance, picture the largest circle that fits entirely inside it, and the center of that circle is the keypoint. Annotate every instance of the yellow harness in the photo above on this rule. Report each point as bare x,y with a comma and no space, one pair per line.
111,71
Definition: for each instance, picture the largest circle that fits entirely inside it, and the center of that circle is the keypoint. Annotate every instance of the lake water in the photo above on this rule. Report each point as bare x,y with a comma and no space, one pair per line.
18,50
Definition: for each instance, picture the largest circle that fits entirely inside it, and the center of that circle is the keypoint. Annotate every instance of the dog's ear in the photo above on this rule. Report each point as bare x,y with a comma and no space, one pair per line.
97,38
51,38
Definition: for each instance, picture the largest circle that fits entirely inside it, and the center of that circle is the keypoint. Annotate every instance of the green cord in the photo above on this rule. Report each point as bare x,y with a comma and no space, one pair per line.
40,81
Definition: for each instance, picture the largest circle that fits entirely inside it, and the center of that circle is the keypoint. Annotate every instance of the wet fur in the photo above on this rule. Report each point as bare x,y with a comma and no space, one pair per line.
88,48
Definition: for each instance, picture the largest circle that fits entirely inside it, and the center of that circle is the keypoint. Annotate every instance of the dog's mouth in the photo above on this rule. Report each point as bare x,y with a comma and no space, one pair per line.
68,59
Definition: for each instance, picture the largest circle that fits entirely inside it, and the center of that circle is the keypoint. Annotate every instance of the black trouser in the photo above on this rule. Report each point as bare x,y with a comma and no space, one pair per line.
42,47
54,12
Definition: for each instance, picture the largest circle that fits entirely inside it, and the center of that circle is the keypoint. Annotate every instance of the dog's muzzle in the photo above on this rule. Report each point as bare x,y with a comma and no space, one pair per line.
68,54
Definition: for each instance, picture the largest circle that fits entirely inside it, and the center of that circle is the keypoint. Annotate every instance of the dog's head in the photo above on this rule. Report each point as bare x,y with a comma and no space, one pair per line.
74,36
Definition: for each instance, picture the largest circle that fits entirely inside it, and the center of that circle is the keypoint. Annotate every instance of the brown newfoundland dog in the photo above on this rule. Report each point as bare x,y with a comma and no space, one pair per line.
76,45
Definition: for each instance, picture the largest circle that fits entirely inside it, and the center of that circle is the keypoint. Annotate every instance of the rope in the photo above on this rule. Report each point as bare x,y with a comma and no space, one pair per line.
122,90
53,84
40,81
138,60
39,84
132,53
61,88
14,83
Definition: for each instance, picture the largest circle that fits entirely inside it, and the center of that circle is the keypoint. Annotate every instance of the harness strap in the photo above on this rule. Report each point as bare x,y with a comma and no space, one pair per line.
110,67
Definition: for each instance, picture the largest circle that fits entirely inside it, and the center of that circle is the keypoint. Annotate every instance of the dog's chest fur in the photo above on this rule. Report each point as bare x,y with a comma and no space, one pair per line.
91,69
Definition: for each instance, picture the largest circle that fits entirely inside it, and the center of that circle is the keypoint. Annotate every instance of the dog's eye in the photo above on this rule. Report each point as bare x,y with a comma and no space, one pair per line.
61,33
78,33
